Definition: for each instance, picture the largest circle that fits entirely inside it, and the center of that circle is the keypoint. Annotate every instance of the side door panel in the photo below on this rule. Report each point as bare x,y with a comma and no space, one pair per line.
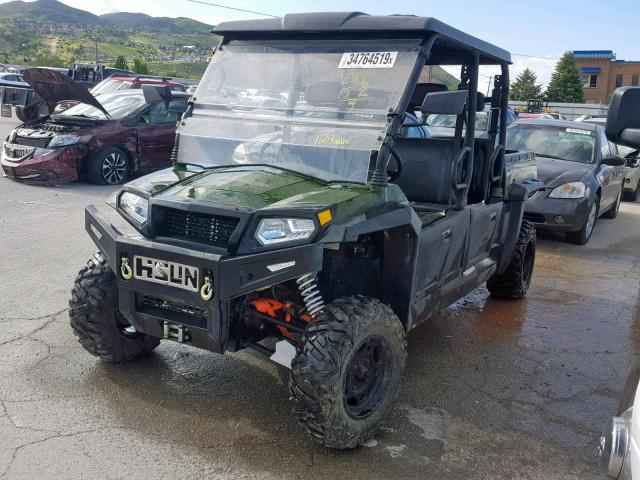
484,220
155,143
440,249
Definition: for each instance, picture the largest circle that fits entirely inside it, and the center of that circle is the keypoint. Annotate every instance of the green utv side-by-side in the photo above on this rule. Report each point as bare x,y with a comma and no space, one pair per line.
303,219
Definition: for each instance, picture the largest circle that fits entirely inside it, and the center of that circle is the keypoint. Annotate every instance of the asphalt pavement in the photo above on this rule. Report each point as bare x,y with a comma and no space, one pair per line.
492,389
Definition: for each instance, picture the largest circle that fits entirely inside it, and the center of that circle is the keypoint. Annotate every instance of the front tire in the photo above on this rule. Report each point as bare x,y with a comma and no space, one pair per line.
345,377
96,321
613,211
582,236
514,282
108,166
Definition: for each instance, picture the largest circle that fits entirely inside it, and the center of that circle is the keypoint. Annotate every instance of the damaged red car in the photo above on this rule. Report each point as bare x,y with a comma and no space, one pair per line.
105,138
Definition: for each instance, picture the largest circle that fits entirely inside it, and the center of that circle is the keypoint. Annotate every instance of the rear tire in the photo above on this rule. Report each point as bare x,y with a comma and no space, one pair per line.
96,321
514,282
108,166
345,377
582,236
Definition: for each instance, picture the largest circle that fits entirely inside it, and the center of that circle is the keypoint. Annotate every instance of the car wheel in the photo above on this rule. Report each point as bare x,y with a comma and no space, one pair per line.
346,374
633,196
109,166
96,321
514,282
613,211
582,236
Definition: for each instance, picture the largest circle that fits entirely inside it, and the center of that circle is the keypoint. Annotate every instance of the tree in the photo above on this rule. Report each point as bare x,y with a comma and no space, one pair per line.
140,67
524,87
566,83
121,63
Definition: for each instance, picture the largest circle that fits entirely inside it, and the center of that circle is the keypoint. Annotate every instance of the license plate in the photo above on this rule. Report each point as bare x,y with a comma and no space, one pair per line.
166,273
5,111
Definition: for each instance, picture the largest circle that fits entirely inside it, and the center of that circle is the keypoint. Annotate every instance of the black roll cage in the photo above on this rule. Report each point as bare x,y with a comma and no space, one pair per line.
454,52
470,61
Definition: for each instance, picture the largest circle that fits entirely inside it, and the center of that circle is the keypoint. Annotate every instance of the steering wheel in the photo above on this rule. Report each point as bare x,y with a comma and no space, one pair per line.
394,174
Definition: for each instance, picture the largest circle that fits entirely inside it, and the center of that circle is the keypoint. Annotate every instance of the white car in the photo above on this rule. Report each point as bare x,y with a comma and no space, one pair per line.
619,447
8,79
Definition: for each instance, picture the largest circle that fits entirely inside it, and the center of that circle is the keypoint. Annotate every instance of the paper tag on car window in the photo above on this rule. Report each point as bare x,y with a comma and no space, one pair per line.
368,60
578,131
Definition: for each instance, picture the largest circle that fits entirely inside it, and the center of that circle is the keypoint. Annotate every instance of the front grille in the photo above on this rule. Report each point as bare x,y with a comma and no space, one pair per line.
215,230
17,152
32,142
175,311
535,217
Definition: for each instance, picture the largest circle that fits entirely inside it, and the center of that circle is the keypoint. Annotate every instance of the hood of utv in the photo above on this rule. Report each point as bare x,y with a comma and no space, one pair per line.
256,187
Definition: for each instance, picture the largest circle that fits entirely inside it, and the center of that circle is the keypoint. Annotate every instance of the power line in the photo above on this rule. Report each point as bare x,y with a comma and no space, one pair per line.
233,8
533,56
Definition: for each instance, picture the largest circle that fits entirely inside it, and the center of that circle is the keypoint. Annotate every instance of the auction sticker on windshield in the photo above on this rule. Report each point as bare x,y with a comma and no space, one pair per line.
578,131
368,60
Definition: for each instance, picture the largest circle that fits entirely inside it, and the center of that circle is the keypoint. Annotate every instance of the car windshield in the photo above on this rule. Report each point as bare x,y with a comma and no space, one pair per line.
318,107
111,85
118,105
574,144
449,121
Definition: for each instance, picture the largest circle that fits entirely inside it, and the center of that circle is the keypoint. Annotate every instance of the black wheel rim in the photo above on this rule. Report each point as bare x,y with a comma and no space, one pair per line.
114,168
527,264
367,377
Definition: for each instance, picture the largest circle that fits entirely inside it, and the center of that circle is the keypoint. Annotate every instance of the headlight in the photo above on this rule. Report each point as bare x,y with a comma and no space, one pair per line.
569,190
63,140
278,230
240,154
134,206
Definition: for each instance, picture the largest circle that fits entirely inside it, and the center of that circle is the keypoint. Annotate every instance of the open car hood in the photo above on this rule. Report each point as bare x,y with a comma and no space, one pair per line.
55,87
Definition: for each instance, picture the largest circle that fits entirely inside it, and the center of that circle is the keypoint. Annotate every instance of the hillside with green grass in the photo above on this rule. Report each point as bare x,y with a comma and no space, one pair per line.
50,33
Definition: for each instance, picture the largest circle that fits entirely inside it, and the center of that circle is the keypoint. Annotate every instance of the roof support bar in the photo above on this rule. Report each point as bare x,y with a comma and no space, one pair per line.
395,118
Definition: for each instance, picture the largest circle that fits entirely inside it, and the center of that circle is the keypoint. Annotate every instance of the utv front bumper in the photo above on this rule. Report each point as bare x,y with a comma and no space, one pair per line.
161,310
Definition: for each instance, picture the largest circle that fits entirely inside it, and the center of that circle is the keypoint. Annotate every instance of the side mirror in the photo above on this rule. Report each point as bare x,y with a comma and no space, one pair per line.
157,93
614,161
623,119
449,103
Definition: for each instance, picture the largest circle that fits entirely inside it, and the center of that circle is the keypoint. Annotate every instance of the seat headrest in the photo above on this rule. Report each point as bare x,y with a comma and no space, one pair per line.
421,91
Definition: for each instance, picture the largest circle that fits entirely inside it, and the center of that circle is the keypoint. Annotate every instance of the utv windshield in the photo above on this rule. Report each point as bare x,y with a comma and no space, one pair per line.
317,107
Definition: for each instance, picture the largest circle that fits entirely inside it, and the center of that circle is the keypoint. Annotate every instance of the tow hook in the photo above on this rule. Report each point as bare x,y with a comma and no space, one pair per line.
125,269
206,291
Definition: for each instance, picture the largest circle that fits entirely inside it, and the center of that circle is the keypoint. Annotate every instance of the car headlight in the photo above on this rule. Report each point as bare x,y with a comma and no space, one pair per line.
569,190
63,140
271,231
135,206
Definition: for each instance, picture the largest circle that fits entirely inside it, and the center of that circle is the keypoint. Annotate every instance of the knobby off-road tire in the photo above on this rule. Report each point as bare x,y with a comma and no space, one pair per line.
514,282
93,311
356,345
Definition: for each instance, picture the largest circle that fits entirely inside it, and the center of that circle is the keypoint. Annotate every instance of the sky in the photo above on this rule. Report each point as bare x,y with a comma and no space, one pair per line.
535,32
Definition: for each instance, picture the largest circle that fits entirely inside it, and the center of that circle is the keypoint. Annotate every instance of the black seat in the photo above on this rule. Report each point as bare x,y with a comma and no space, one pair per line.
426,171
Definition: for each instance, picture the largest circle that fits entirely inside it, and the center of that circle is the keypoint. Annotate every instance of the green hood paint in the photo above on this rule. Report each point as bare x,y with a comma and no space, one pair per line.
262,187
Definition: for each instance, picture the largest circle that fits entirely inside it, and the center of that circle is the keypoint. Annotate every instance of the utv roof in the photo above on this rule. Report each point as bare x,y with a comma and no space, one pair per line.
452,43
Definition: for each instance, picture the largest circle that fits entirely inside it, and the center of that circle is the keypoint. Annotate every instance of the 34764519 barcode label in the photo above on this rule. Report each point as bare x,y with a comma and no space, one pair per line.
368,60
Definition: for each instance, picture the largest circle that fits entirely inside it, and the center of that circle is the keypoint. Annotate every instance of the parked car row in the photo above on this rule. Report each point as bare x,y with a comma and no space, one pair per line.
105,137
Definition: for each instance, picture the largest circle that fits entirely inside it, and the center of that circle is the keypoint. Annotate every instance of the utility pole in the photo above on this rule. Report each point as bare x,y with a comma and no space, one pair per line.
96,40
489,85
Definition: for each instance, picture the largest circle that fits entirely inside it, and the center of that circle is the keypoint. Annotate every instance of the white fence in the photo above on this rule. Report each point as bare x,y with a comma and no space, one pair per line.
570,110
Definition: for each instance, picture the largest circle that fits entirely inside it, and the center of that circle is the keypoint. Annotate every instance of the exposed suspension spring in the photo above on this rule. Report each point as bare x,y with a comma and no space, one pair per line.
310,292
